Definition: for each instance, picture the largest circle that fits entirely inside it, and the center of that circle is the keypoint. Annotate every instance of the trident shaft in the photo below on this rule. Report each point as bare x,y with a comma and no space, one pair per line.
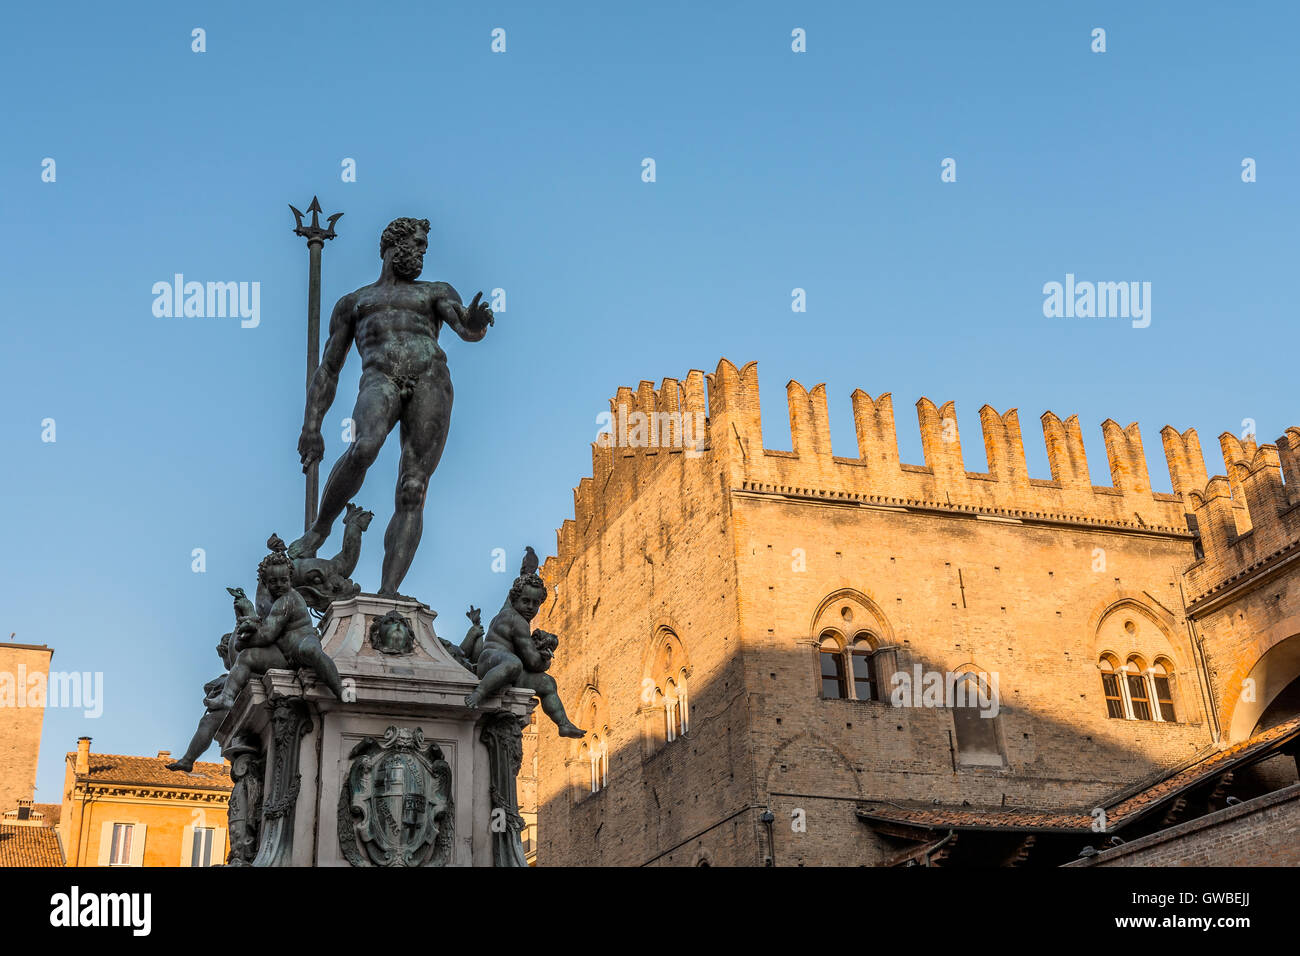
315,235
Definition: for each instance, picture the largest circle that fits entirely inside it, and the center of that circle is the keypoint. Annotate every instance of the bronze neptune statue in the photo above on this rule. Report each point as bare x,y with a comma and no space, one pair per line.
394,322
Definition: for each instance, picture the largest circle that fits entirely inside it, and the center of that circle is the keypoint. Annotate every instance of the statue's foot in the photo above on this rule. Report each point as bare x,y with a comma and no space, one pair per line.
221,702
184,765
305,547
568,729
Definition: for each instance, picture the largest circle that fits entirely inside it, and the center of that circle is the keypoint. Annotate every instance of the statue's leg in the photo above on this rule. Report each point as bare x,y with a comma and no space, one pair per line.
373,417
543,685
498,676
424,434
254,660
201,740
313,655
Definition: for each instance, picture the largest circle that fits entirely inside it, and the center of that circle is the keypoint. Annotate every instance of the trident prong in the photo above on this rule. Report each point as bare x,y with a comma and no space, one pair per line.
314,232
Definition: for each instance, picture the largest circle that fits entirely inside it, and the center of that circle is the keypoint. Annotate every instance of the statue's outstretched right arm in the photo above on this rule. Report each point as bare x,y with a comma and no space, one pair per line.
320,394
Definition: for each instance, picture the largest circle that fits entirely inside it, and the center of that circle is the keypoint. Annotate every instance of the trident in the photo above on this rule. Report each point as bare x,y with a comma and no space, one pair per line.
315,237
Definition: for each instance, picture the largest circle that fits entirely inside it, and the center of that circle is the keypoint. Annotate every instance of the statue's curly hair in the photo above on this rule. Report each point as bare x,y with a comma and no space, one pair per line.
400,230
527,580
272,560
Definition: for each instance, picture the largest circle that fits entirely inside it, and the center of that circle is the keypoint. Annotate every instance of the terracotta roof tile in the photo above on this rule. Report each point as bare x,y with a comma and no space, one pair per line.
975,818
50,813
29,846
152,771
1212,764
1120,808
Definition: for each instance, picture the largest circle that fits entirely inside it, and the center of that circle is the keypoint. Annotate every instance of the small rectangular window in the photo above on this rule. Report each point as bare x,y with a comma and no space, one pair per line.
120,854
1165,698
864,678
1114,702
1137,694
201,854
833,676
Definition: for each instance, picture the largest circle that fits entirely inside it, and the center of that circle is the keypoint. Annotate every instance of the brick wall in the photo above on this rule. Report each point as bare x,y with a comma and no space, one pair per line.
1264,831
20,726
749,555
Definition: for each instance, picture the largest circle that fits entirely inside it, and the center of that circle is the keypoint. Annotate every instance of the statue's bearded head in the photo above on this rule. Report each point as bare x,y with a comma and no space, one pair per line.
408,238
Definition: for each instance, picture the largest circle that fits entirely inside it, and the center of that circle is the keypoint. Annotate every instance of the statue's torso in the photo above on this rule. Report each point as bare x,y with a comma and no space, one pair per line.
505,628
396,328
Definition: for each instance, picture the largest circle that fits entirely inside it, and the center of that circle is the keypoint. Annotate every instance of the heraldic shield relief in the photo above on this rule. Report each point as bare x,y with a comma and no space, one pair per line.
396,808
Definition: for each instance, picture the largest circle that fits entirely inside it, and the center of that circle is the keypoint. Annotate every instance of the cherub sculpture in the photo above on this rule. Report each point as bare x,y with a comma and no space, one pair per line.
512,655
322,581
211,719
283,638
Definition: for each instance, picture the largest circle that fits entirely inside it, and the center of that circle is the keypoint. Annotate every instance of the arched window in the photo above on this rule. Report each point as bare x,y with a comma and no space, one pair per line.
832,659
975,720
597,756
1129,631
856,657
1138,696
672,712
589,761
1162,676
666,709
1110,688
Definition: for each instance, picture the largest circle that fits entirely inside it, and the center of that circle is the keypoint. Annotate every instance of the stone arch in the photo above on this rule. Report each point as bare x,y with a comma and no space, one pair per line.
808,751
865,615
702,858
1152,635
589,701
1272,672
665,633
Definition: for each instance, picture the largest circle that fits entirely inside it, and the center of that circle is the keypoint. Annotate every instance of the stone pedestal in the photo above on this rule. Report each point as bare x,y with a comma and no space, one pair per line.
400,772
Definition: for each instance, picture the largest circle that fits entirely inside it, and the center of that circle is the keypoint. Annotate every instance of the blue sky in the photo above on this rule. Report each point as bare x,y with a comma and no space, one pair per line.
775,170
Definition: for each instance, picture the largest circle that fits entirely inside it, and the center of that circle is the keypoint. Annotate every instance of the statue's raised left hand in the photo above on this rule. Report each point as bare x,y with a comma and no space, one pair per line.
478,315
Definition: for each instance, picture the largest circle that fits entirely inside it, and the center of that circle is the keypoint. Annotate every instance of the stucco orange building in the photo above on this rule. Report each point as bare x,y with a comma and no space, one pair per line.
132,811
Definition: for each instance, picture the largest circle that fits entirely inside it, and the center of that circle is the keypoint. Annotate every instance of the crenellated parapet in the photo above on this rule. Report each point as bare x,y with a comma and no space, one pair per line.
876,475
648,428
714,421
1248,519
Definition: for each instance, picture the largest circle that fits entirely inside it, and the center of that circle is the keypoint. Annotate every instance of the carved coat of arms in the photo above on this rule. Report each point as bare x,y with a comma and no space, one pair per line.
396,807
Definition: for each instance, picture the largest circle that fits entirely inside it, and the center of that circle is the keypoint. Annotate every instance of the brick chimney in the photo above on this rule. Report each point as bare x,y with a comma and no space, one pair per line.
164,755
83,755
